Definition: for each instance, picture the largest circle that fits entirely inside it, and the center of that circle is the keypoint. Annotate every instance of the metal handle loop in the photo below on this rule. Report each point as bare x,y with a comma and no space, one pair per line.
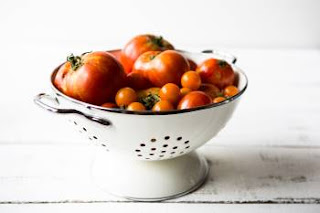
39,101
228,57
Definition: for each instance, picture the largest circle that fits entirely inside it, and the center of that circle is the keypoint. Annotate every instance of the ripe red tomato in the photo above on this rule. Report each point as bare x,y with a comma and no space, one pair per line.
138,81
109,105
216,72
191,80
115,53
162,67
193,65
141,44
92,77
126,96
171,93
210,90
194,99
136,106
162,105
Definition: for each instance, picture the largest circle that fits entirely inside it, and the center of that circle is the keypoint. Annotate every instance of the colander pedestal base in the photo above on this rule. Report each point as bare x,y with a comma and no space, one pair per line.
149,180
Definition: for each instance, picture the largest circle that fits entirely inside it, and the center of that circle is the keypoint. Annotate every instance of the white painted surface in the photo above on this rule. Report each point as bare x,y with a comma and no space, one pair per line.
227,23
61,174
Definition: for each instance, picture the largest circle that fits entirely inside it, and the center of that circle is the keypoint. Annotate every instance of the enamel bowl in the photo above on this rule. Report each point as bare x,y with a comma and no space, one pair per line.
148,156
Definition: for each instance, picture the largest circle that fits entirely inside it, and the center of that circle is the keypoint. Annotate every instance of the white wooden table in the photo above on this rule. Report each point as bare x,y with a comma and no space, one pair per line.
266,159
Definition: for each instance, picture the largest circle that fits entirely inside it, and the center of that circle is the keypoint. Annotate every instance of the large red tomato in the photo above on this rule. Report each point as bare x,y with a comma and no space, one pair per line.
93,77
141,44
217,72
162,67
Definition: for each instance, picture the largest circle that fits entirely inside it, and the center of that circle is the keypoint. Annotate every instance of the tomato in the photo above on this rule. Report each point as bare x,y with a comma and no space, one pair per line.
162,105
230,91
136,106
191,80
141,44
218,100
126,96
193,65
162,67
216,72
115,53
171,93
149,97
138,81
194,99
210,90
109,105
92,77
184,91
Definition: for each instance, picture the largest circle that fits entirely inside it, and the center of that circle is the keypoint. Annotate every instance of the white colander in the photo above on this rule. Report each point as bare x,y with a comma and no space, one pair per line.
148,155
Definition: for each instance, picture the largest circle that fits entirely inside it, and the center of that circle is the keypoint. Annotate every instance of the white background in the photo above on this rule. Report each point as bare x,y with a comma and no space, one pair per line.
221,23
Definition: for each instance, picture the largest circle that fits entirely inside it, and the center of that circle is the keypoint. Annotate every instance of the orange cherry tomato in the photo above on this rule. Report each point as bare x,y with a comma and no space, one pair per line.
109,105
194,99
126,96
218,99
136,106
184,91
191,80
171,93
230,91
162,105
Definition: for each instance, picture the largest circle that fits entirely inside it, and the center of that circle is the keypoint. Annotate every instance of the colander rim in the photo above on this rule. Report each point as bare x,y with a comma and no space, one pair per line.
148,112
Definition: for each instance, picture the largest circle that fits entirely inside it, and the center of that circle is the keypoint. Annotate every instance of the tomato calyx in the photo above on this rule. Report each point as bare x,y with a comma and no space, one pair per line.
222,63
75,61
150,100
151,57
157,40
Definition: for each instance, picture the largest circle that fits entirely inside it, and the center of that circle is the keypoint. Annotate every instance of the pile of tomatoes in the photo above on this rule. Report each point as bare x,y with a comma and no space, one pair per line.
147,74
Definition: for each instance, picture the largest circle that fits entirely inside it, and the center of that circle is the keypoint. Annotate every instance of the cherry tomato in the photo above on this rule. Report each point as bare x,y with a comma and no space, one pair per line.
126,96
230,91
171,93
184,91
162,105
136,106
191,80
139,45
210,90
216,72
218,99
194,99
162,67
109,105
92,77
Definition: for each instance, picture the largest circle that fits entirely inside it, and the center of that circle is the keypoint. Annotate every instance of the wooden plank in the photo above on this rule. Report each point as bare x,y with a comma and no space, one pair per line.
158,207
61,174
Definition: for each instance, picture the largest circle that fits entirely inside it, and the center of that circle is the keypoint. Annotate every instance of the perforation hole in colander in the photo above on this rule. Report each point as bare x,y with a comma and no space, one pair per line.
159,148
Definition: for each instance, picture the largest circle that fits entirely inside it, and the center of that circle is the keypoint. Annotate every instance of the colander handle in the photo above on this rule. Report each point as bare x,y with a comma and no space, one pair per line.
39,101
228,57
